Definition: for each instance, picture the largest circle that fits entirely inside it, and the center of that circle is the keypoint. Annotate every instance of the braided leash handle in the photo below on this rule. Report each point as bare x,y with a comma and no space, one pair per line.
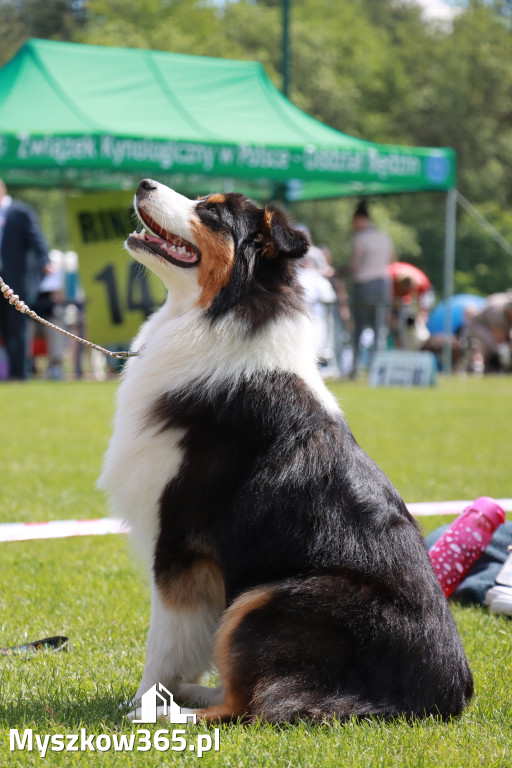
53,644
20,305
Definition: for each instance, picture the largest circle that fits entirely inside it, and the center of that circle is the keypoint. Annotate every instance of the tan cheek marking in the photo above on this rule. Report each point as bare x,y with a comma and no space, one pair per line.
218,198
269,250
217,259
201,582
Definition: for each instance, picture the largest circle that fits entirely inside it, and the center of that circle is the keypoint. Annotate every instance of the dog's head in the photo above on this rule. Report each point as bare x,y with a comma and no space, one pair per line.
224,250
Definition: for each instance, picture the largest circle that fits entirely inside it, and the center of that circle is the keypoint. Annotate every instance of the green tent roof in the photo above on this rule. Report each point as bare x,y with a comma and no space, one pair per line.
94,116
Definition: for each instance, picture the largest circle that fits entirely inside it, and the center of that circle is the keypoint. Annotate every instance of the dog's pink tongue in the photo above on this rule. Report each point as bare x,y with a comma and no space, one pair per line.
178,252
154,239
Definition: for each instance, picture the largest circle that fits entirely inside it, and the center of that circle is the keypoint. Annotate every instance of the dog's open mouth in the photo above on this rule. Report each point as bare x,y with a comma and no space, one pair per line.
165,244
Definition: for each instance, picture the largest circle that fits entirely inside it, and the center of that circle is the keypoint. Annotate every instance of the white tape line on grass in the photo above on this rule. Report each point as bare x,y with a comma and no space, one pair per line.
428,508
60,529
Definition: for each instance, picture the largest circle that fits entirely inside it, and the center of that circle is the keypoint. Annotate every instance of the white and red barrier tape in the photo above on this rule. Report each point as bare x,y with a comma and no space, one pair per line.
59,529
429,508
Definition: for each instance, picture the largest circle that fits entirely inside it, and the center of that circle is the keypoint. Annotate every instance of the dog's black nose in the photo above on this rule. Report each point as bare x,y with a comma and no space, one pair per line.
145,187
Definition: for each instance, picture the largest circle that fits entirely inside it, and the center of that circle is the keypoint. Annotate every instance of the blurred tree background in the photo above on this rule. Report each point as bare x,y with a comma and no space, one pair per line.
376,69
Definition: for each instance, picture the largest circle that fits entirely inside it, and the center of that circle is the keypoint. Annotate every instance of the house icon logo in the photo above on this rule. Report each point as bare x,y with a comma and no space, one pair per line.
158,701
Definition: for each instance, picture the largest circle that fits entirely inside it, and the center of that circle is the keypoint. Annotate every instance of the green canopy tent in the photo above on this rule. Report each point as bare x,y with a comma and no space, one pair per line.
92,117
84,115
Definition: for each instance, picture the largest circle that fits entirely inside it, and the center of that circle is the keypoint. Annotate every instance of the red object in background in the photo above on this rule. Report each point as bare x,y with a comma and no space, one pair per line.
400,269
39,347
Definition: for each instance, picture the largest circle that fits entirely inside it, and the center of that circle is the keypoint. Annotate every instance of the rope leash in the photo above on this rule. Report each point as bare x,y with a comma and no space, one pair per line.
58,643
20,305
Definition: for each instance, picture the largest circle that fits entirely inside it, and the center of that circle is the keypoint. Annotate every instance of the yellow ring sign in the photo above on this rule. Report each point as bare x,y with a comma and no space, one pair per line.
119,292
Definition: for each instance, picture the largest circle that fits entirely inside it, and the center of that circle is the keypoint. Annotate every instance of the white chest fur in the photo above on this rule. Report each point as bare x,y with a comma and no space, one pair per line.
140,460
178,350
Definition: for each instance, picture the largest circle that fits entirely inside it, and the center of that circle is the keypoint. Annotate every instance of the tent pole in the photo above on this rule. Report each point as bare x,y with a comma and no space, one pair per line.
286,47
449,271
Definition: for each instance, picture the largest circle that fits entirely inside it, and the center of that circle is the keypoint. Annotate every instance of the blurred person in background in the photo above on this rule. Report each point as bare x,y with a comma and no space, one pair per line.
320,295
372,252
23,261
410,312
490,330
51,304
341,318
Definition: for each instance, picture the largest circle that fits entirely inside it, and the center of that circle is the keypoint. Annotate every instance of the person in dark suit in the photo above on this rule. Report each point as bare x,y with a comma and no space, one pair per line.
23,261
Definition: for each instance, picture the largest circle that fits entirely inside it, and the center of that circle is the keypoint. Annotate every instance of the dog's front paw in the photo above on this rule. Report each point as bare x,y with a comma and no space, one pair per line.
135,716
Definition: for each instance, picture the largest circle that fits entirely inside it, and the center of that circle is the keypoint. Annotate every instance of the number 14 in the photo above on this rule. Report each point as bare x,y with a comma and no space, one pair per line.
138,294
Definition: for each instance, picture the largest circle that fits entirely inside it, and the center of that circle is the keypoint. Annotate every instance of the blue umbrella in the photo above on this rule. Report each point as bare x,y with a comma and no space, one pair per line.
459,303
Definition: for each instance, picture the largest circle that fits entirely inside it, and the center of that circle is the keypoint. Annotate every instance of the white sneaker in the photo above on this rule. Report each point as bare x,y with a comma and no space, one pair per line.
499,600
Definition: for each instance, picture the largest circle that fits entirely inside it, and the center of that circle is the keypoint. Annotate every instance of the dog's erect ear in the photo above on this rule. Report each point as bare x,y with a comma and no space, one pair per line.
279,238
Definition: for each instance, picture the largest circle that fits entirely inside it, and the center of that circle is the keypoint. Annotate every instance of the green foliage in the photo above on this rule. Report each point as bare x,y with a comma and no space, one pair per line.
181,26
483,266
51,19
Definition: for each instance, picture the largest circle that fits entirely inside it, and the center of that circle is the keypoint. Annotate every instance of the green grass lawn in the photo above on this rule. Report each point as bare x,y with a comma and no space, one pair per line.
446,443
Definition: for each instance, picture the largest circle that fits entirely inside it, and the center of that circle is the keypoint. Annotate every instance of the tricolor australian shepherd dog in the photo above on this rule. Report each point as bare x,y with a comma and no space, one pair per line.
277,548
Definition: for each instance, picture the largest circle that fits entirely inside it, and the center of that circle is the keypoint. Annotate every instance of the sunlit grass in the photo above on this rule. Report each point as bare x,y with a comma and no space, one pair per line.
445,443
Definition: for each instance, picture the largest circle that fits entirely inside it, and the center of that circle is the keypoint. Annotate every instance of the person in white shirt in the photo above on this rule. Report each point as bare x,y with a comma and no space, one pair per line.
319,295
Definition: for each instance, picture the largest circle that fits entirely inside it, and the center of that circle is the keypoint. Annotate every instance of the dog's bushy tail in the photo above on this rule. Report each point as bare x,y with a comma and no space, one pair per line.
285,702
